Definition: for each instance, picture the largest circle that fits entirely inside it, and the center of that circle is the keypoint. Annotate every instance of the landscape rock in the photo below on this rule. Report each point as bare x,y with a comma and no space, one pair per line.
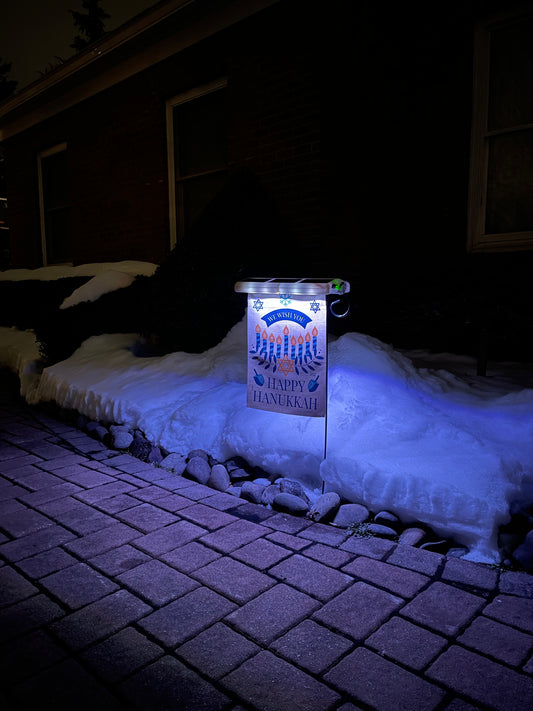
524,553
140,447
288,486
269,492
121,437
96,430
234,491
91,426
154,455
252,491
174,462
412,536
198,469
237,478
81,422
198,453
290,503
236,462
325,507
238,474
219,478
376,529
100,433
114,429
386,518
262,481
351,514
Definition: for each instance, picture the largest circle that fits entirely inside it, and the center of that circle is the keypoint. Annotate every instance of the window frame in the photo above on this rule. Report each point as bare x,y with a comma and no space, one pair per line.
478,240
176,213
53,150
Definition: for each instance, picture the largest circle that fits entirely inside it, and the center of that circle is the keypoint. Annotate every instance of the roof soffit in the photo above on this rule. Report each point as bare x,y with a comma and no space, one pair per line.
152,37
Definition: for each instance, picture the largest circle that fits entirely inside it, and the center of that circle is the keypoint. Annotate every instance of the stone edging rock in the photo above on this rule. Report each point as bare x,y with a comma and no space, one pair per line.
237,477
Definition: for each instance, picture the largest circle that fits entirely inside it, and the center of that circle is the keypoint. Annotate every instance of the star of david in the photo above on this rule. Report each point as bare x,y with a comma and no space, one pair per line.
258,305
286,365
314,306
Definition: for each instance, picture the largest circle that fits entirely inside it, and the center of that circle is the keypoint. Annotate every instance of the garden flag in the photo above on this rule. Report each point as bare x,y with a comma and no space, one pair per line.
287,353
287,343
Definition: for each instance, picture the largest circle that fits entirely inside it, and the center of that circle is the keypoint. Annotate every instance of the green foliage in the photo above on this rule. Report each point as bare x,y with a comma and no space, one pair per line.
91,24
360,530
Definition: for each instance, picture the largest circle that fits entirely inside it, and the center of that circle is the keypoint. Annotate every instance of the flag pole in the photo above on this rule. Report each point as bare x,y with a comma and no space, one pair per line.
342,315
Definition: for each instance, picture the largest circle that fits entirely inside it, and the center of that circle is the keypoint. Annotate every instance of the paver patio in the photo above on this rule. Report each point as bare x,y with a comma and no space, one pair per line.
123,586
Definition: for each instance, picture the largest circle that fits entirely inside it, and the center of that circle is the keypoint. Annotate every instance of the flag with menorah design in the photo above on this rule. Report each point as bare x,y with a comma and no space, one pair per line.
287,353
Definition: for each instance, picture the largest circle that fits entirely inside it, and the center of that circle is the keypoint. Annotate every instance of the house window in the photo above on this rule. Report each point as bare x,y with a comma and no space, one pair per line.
54,204
501,175
197,153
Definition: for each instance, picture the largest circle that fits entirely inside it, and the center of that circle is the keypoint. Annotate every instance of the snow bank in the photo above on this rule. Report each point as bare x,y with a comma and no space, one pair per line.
426,444
446,448
61,270
106,281
433,447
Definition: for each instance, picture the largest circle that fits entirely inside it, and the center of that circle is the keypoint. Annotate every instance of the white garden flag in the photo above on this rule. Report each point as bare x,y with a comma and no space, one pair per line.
287,343
287,353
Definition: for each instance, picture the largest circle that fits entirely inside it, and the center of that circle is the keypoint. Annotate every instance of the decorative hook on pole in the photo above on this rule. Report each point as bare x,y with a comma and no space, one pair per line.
339,315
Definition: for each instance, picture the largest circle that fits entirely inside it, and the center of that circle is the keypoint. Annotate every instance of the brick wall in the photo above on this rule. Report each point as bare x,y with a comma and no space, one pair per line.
119,179
357,125
23,206
276,130
117,142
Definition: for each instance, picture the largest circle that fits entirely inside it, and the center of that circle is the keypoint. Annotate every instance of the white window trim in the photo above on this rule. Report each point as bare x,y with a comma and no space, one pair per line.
173,213
478,240
45,154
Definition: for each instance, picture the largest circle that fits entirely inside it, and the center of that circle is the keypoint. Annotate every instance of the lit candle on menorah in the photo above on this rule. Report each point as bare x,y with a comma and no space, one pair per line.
271,349
308,355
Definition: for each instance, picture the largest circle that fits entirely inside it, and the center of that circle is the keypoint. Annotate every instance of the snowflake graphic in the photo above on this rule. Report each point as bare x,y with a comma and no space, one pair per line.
285,299
314,306
258,305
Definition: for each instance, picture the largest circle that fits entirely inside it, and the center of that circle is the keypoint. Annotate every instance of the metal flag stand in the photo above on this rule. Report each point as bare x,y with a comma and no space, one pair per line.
294,304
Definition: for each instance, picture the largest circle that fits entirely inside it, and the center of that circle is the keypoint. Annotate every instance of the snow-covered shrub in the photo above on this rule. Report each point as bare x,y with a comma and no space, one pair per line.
64,330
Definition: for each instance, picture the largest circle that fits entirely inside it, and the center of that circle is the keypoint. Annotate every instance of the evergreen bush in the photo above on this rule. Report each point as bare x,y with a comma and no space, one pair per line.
63,330
192,302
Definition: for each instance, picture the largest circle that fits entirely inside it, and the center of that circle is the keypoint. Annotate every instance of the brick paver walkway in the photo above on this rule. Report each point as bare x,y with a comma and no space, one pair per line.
123,586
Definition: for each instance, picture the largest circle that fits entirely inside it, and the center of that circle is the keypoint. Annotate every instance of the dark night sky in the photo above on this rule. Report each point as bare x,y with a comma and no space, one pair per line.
34,32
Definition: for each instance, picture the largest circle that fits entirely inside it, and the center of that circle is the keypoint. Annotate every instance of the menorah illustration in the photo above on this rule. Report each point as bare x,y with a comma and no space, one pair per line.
304,355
